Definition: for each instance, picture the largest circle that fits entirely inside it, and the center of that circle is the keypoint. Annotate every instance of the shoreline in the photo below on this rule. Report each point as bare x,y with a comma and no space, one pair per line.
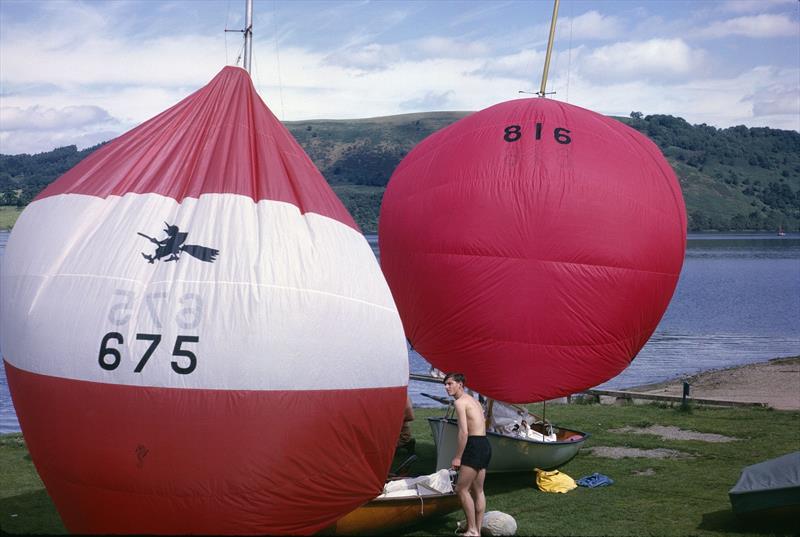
775,382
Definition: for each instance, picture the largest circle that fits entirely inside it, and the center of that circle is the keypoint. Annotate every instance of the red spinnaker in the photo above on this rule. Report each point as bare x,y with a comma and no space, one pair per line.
533,246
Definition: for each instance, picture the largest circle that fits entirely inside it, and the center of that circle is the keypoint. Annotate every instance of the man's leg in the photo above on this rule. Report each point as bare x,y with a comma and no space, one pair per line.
479,498
466,476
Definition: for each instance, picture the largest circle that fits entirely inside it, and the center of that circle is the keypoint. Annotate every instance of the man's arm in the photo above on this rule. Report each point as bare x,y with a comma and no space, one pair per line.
463,432
408,413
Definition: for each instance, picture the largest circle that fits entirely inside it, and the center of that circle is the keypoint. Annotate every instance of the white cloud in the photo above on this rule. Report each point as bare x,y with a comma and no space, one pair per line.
754,6
394,18
370,56
591,25
478,13
32,142
652,59
744,99
165,61
374,56
757,26
445,47
77,70
517,65
780,98
32,129
347,93
429,101
784,103
80,43
39,118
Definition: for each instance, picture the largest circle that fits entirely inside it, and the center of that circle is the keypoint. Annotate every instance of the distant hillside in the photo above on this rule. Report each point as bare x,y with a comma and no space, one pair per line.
736,178
23,176
732,179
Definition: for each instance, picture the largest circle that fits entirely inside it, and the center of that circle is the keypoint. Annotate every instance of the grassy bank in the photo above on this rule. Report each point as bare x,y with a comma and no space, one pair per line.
9,215
650,496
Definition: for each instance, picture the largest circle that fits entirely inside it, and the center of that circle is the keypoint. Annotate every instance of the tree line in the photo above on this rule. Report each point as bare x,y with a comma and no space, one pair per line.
737,178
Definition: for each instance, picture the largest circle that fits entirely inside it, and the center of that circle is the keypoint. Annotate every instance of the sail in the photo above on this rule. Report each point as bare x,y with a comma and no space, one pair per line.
533,246
197,337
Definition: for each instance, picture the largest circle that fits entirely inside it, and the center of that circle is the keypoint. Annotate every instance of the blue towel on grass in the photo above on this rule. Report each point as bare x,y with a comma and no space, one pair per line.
595,480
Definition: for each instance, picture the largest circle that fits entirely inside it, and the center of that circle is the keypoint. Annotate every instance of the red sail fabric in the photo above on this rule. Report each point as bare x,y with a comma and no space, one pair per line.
221,139
219,466
533,246
197,337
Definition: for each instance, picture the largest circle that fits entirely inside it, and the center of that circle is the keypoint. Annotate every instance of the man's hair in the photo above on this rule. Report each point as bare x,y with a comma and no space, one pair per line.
457,377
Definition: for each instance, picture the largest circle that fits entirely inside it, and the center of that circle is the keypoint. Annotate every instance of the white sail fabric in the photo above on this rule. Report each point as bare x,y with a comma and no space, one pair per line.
292,314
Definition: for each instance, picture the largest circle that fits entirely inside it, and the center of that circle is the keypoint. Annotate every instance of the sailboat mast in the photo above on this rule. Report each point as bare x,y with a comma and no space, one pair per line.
248,34
549,47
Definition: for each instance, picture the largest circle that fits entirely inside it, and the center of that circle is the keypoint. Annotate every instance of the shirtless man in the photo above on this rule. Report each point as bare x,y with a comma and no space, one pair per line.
472,454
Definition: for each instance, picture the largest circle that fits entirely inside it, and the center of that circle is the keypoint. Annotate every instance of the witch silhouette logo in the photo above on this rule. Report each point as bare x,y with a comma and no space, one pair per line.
172,245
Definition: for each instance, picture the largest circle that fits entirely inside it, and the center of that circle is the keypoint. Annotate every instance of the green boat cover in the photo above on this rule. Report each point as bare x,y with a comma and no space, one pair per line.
768,485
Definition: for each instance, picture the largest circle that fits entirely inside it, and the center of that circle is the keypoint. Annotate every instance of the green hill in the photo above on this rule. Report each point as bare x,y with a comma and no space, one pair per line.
732,179
736,178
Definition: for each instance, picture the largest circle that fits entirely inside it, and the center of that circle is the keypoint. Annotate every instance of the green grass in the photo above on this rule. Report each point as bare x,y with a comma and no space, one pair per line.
680,497
9,215
25,506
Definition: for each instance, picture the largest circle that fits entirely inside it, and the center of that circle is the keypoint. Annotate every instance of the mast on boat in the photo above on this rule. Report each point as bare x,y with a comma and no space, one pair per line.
550,40
248,34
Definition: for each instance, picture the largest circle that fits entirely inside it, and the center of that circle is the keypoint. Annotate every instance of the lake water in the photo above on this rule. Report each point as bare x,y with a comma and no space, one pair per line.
737,302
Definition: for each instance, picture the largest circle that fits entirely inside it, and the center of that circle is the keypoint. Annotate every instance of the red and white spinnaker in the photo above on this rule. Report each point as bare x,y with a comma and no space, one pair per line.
197,337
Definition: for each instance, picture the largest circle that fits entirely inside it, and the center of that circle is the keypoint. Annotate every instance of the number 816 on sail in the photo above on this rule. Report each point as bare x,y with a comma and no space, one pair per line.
513,133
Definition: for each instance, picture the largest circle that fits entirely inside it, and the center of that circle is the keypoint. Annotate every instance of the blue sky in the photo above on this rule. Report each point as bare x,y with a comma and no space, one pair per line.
80,72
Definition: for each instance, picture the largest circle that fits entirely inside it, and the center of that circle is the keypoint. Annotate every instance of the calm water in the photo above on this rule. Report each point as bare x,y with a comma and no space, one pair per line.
737,302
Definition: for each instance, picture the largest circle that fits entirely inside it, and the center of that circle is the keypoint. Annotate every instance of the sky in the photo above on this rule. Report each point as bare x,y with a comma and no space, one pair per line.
82,72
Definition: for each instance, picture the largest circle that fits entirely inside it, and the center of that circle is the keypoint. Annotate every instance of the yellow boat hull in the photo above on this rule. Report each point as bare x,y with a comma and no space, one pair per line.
387,514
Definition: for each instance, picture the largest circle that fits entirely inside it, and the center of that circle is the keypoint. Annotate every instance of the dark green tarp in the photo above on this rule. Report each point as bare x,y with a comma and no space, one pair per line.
772,484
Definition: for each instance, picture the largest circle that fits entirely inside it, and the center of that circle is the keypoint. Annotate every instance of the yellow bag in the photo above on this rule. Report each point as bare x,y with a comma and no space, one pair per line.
554,481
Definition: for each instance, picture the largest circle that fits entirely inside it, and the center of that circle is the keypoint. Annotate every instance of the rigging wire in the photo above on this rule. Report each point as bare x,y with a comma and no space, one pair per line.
242,47
555,66
531,64
254,67
569,57
239,55
278,56
227,20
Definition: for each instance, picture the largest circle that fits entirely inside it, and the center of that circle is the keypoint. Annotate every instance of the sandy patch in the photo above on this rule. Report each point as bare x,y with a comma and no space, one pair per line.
645,472
776,383
626,452
675,433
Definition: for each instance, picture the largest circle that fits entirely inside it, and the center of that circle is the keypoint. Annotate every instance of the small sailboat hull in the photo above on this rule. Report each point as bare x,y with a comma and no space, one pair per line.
768,489
383,515
509,453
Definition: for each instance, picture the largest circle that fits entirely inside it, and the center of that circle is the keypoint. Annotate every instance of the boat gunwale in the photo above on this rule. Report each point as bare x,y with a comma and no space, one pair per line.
414,499
585,436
